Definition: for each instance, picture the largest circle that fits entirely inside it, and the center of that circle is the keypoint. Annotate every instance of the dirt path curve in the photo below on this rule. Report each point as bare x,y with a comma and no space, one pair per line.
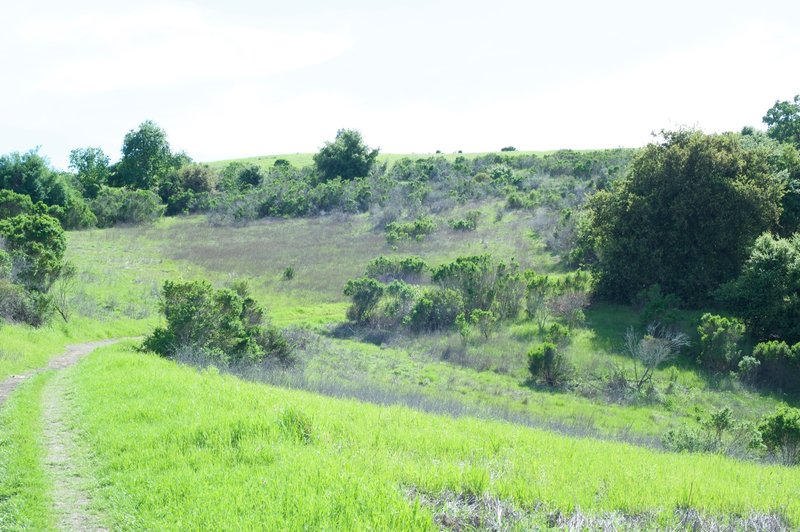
70,357
71,490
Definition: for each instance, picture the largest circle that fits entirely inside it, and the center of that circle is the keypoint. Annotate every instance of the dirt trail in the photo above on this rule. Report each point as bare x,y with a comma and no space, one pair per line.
70,357
71,491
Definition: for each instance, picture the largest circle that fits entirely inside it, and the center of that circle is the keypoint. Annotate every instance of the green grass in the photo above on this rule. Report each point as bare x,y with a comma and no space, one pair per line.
123,268
25,503
307,159
181,449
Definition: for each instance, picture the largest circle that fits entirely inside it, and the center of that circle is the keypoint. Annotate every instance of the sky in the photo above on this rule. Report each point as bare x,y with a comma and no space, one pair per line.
254,78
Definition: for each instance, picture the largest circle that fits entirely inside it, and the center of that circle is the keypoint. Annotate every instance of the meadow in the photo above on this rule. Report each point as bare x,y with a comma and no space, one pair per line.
173,448
368,428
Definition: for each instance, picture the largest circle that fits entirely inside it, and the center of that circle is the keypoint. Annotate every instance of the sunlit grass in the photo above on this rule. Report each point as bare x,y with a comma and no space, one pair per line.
182,449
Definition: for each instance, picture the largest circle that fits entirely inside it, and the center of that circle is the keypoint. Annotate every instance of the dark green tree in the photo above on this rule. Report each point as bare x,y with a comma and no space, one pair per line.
146,158
36,243
31,175
766,295
684,217
346,157
783,121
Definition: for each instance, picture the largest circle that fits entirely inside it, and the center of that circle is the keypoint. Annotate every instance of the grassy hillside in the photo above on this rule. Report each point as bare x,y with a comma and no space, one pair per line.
179,449
307,159
123,268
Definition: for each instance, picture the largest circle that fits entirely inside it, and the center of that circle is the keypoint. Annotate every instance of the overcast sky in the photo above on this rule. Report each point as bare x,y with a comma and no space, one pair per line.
255,78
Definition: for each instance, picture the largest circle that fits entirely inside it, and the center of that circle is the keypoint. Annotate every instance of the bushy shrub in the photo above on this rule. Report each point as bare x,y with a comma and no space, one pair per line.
537,291
484,320
19,305
557,334
224,324
468,223
780,434
36,243
719,338
547,365
13,204
365,293
416,230
123,206
436,309
385,269
483,284
186,190
766,295
780,364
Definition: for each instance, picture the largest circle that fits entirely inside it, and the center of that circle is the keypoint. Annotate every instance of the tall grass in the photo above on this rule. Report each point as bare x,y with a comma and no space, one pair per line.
25,502
184,449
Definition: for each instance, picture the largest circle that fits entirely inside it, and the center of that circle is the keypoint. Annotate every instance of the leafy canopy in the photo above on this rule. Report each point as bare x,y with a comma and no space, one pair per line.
783,121
684,217
346,157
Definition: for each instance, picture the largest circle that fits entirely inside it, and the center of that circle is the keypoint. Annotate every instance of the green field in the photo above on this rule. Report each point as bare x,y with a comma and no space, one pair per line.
174,448
389,431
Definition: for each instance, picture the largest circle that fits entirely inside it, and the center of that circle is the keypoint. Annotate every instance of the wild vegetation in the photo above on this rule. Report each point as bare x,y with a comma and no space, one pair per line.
516,317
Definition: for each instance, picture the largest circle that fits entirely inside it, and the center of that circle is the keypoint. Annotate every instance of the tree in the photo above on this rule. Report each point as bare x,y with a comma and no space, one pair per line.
766,295
783,121
346,157
36,243
684,217
92,167
30,174
146,158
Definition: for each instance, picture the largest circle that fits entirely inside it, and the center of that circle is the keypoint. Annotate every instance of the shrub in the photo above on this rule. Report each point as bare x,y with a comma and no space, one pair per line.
537,290
548,365
365,293
123,206
36,243
224,324
468,223
656,346
186,190
719,339
288,273
780,434
13,204
766,295
19,305
569,306
483,284
485,320
385,269
780,364
557,334
416,230
749,368
436,309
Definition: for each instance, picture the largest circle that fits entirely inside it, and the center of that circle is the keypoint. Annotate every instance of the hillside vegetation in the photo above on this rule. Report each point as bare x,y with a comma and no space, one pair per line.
511,340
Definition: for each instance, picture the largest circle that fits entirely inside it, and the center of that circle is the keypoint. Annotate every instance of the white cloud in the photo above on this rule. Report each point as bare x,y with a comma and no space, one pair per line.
158,46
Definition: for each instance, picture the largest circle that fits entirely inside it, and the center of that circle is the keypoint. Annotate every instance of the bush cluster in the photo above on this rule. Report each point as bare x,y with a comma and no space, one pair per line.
224,324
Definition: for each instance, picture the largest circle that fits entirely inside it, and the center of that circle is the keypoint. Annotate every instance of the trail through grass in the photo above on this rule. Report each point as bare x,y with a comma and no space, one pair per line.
183,449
